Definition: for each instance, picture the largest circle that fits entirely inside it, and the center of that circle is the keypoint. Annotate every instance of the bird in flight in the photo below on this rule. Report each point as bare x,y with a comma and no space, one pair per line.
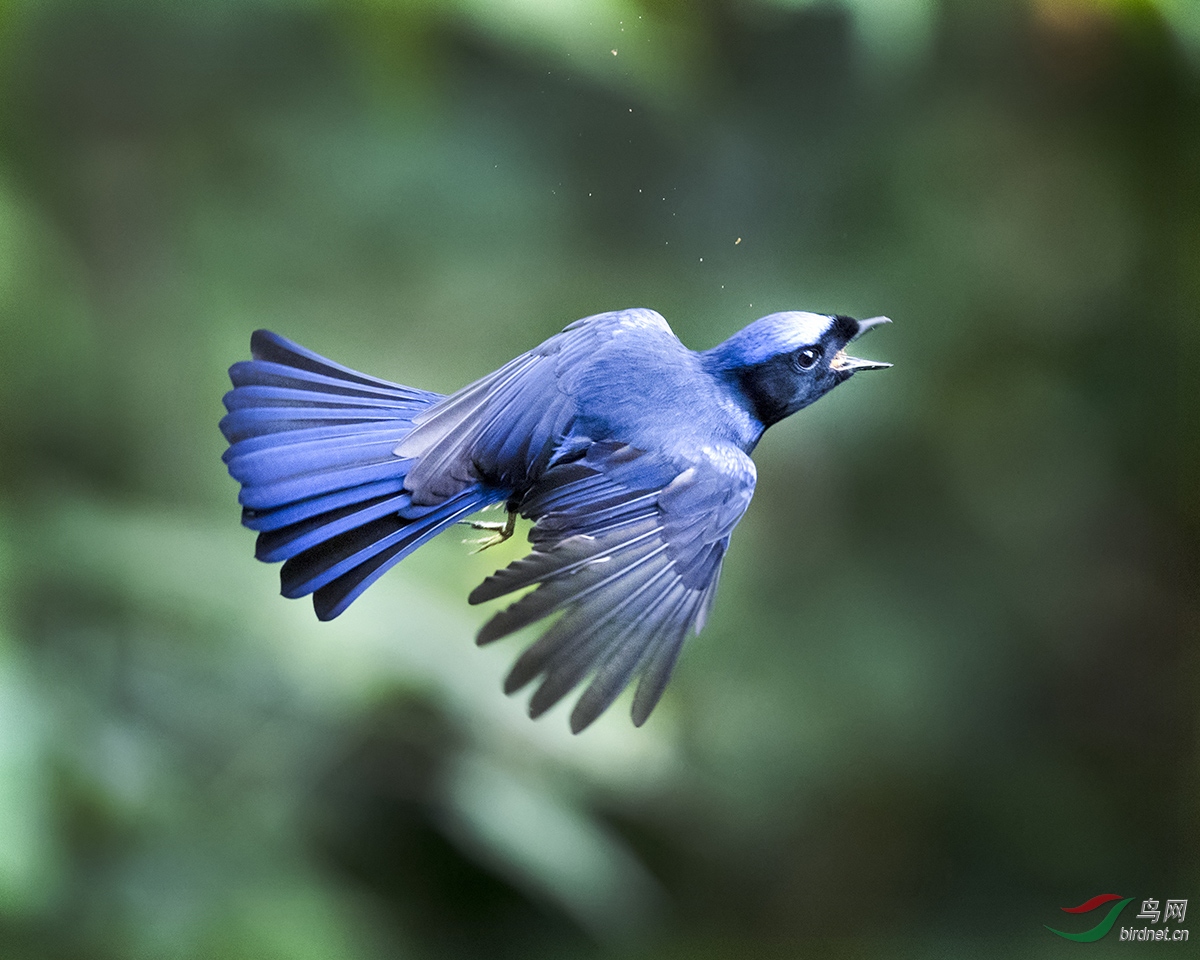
628,451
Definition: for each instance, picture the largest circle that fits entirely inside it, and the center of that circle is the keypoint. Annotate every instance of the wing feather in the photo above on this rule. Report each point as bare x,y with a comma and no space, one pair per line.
616,673
628,547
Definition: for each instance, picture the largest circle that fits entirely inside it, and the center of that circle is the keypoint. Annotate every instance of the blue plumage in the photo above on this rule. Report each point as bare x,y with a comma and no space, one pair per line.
629,452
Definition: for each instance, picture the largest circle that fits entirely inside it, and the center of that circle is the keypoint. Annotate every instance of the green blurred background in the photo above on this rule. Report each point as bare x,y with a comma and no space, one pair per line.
950,684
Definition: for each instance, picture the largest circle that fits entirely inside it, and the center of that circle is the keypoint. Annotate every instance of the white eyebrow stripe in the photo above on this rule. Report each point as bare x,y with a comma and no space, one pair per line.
772,335
796,329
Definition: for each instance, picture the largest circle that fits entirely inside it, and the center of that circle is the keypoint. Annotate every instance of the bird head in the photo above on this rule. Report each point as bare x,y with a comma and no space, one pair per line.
785,361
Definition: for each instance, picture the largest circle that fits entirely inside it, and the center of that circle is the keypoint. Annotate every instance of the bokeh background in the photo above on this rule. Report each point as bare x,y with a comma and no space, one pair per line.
950,684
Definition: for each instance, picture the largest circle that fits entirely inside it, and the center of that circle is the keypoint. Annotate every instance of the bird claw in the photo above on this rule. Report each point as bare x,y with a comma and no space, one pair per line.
500,531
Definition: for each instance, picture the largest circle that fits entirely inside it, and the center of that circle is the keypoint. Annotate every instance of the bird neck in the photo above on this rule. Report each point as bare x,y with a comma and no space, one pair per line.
749,411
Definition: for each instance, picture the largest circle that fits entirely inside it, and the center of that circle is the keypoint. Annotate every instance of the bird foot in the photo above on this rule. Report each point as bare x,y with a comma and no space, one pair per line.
500,531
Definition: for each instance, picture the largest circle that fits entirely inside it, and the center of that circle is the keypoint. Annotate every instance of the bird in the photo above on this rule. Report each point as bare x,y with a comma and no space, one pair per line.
628,451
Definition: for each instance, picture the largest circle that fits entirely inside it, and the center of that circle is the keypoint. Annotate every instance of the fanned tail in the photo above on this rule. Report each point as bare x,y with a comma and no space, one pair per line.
312,444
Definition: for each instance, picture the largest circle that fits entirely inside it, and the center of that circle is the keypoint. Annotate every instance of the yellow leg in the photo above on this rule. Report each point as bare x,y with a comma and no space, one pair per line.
500,531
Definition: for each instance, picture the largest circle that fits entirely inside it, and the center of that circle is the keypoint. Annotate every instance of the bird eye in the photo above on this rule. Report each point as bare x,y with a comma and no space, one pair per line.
807,357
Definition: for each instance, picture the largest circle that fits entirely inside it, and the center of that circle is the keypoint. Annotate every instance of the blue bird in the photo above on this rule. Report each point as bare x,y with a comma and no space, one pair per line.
629,452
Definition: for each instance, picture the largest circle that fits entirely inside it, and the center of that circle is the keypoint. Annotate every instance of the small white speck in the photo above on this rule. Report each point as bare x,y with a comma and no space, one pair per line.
737,241
614,53
701,259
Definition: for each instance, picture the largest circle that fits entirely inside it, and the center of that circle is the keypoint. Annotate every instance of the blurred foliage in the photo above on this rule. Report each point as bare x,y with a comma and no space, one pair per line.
950,682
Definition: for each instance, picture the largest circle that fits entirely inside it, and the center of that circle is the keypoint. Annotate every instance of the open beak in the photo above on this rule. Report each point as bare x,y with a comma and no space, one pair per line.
845,363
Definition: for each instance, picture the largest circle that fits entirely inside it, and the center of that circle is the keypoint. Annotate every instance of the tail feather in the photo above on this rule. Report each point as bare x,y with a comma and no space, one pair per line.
272,348
265,395
335,431
313,445
248,423
266,373
336,595
305,485
271,464
339,555
285,542
293,513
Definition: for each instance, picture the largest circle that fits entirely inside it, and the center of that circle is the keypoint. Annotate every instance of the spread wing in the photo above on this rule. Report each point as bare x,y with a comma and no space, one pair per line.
628,545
